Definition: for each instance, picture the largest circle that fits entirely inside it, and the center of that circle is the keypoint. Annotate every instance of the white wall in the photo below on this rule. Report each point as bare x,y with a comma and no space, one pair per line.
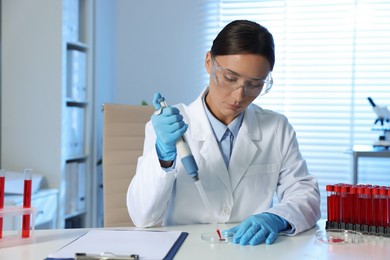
104,65
155,50
146,46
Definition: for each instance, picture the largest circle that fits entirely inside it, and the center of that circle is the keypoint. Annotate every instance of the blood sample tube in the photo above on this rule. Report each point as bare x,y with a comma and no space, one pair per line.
337,206
345,204
2,186
330,202
354,204
377,209
383,207
26,202
388,210
368,200
375,206
361,205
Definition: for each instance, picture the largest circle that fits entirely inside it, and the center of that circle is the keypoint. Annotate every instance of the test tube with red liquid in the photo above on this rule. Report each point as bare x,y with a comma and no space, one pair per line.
376,207
2,186
388,210
362,206
337,203
354,204
26,202
345,204
367,201
330,202
383,207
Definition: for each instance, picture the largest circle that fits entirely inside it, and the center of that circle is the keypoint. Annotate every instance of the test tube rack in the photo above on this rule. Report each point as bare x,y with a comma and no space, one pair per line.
364,208
14,237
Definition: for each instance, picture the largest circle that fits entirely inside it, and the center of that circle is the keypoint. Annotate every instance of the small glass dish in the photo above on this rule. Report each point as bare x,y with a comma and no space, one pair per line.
339,236
213,238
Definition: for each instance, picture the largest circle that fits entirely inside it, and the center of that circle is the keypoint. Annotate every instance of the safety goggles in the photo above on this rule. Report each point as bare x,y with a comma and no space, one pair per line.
231,81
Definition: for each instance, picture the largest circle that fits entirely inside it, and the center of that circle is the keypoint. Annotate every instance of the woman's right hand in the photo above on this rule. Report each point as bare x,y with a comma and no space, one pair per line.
169,127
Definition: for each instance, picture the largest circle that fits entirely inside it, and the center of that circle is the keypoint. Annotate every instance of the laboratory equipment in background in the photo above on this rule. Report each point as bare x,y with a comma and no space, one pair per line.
382,123
362,208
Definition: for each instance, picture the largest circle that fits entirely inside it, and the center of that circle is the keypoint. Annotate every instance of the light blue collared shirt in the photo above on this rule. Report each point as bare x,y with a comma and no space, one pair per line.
219,128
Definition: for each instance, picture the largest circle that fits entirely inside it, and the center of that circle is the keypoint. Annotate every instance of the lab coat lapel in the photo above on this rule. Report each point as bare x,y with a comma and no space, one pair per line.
201,133
245,148
210,149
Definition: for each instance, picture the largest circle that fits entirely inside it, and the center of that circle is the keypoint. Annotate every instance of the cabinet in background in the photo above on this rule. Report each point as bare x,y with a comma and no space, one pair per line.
46,203
47,99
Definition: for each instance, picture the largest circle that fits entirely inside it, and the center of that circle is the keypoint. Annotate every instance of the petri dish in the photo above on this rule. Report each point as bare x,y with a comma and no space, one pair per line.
339,236
213,238
228,235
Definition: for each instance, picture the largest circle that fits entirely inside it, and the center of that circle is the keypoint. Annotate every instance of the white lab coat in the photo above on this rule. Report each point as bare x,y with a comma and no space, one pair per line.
265,159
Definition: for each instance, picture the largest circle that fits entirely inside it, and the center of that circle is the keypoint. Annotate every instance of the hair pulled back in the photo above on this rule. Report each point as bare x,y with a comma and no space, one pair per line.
244,37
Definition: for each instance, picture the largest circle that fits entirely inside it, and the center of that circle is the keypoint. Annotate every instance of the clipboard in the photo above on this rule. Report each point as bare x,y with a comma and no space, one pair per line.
150,244
176,246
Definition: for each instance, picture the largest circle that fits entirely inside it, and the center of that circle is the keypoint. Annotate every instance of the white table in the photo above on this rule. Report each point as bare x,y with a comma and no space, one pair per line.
302,246
365,151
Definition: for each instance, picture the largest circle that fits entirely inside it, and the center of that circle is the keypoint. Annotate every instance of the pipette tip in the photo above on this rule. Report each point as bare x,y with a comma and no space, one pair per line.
219,234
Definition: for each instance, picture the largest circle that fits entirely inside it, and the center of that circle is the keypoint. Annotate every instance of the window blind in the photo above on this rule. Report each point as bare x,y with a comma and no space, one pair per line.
330,56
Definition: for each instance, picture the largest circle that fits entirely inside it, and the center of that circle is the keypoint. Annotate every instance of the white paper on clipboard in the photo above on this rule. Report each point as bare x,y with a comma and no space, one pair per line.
147,244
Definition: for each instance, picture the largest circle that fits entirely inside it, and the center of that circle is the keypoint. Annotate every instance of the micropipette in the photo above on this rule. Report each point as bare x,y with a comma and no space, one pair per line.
191,168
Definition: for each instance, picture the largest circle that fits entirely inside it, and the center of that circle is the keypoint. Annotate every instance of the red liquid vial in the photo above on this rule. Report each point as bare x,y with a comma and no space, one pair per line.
2,186
330,202
26,203
362,206
354,204
388,207
382,210
345,204
337,206
368,199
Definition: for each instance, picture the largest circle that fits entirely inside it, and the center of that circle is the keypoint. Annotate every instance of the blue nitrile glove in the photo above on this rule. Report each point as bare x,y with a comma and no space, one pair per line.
169,127
258,228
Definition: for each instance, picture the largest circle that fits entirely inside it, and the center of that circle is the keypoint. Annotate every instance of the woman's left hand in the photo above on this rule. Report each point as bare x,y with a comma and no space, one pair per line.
258,228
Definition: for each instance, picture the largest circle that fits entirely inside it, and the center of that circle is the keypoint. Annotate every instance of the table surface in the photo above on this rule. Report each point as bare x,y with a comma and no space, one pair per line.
369,149
365,151
301,246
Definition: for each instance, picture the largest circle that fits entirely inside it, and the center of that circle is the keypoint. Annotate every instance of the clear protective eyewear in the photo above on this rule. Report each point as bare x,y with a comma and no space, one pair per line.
230,81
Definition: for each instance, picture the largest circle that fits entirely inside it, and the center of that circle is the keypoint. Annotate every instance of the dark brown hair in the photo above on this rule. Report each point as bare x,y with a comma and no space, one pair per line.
244,37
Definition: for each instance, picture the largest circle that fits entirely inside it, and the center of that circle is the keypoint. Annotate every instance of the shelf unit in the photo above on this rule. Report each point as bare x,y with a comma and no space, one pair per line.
41,118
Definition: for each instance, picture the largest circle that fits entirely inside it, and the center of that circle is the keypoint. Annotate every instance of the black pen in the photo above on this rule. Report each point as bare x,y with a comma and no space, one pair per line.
105,256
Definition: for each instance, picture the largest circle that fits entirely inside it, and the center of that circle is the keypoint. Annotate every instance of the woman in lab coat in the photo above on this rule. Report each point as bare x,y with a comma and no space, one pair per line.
240,183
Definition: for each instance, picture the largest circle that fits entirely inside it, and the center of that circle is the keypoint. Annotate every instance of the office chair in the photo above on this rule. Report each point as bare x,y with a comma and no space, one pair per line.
123,138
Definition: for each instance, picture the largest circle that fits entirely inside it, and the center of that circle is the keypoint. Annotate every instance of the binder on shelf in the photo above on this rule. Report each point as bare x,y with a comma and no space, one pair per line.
68,188
71,187
74,121
70,20
79,126
82,186
76,185
76,75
